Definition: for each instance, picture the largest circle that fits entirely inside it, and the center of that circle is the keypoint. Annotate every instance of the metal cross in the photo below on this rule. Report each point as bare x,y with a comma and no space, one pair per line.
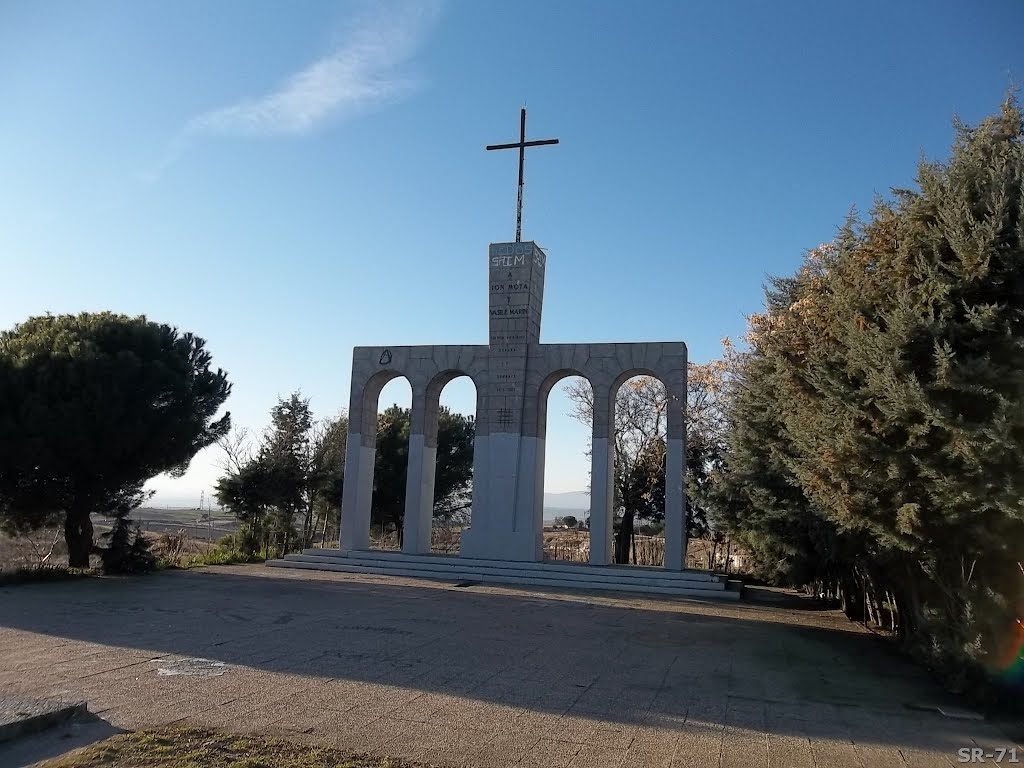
522,144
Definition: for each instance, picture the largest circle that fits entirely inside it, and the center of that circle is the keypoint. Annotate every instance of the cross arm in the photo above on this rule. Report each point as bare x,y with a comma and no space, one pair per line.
518,144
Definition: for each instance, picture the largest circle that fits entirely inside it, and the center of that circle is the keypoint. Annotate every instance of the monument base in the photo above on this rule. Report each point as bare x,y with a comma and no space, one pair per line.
551,575
517,546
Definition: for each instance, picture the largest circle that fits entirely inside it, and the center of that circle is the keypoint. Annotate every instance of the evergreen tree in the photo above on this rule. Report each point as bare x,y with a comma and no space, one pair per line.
95,405
127,550
877,432
327,474
453,479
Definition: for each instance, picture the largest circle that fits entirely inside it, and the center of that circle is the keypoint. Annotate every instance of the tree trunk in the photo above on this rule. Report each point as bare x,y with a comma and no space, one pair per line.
314,531
327,520
908,602
875,605
78,537
308,526
851,597
623,538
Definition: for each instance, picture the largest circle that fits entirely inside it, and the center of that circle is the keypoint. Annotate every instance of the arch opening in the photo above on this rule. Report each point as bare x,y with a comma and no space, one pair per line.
564,430
640,450
452,440
391,460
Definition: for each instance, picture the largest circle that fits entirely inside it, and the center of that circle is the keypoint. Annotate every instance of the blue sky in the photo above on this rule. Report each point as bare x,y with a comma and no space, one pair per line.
290,180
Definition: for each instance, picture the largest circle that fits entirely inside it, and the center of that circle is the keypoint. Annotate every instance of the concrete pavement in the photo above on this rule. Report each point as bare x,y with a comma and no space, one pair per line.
478,675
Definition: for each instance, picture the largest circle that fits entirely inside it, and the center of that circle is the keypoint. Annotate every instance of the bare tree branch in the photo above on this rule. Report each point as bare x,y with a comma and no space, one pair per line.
237,450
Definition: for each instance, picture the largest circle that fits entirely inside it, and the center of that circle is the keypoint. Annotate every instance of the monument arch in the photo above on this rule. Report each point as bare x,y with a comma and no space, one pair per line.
510,373
428,370
431,429
504,542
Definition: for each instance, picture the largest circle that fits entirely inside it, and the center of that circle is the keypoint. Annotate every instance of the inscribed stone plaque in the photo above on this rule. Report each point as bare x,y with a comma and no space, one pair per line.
515,286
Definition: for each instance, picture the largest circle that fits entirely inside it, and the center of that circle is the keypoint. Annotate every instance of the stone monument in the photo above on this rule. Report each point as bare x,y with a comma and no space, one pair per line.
513,375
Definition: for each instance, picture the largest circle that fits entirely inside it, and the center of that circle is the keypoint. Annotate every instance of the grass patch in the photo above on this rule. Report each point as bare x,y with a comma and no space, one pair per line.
32,574
214,556
202,748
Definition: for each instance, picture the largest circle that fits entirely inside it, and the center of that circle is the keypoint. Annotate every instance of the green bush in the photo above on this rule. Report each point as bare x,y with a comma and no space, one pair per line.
244,540
127,551
220,555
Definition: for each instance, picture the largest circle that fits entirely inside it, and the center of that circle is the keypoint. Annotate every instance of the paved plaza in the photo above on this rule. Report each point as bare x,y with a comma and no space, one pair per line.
478,675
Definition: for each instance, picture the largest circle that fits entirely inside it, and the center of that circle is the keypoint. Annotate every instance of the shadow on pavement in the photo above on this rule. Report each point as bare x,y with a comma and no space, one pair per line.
617,659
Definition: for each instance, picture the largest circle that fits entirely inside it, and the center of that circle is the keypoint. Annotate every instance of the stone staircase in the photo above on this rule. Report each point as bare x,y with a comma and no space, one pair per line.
612,578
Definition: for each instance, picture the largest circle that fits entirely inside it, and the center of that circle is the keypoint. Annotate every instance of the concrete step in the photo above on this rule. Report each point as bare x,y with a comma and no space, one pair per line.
591,574
509,573
630,571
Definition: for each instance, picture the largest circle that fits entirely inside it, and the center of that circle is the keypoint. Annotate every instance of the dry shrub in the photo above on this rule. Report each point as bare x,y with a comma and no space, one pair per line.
648,550
176,548
44,547
384,540
442,540
572,546
445,540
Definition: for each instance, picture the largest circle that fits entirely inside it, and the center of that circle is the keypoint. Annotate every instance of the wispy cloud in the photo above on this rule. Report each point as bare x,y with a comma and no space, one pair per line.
363,73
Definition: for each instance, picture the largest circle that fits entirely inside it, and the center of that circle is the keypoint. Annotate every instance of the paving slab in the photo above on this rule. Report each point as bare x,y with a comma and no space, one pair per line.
483,676
30,749
21,715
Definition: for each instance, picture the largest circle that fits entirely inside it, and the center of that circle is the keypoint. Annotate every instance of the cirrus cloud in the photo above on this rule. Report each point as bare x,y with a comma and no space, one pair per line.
365,72
362,73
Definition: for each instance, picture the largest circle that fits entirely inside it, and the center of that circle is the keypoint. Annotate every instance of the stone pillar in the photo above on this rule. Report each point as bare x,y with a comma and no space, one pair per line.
419,486
602,476
357,493
511,530
479,524
675,472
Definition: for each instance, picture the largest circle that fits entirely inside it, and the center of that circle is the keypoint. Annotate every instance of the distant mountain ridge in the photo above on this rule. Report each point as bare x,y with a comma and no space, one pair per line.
567,502
555,504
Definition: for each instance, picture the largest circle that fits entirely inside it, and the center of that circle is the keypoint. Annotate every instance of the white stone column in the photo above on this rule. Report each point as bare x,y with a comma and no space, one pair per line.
419,486
529,480
538,493
602,475
357,493
675,472
481,462
479,520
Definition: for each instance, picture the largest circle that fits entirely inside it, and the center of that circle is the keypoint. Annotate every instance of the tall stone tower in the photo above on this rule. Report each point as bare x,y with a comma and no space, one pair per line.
508,465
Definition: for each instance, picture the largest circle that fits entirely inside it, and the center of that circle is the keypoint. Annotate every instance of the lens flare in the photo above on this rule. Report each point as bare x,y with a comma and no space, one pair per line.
1009,666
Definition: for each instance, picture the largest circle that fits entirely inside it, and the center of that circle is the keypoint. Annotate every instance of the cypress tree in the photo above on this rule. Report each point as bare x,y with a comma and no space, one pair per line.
879,428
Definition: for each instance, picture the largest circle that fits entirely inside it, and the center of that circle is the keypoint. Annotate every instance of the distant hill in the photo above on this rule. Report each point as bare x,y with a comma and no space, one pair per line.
572,500
575,503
